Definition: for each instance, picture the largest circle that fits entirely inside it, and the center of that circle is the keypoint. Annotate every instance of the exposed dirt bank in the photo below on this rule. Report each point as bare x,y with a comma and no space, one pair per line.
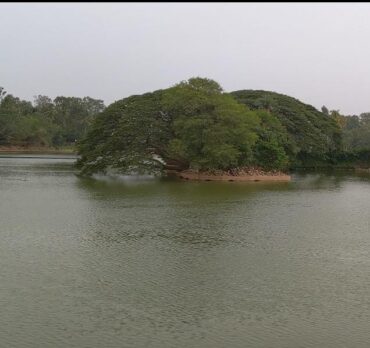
245,175
362,170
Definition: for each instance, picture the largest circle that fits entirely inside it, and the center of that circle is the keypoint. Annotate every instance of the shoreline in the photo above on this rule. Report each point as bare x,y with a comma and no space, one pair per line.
196,176
36,150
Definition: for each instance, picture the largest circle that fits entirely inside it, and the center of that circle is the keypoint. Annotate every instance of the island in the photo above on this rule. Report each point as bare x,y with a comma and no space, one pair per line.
193,130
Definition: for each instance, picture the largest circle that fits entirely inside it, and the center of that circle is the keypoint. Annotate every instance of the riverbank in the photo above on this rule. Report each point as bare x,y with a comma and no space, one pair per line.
251,174
337,168
362,170
44,150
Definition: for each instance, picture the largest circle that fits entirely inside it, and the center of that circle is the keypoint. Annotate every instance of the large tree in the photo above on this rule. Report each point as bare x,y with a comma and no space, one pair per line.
210,129
312,134
191,125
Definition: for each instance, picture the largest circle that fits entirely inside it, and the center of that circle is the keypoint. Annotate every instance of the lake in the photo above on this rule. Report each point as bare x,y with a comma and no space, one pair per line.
162,263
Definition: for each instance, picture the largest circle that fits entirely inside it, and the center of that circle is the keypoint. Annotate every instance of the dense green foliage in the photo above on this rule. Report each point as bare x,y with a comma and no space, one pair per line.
211,130
272,147
311,133
45,122
355,150
356,132
126,136
191,125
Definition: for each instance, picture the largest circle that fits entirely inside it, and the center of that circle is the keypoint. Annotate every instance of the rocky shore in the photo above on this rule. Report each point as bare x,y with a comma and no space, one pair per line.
244,174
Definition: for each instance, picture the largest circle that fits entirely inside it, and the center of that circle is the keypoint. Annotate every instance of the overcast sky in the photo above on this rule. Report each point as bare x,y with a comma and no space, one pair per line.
319,53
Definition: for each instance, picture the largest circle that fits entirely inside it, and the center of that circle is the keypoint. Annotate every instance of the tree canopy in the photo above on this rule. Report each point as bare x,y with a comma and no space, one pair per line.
355,129
311,133
193,124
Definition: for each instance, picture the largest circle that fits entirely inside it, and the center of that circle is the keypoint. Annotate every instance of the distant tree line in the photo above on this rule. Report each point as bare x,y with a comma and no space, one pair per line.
45,122
355,130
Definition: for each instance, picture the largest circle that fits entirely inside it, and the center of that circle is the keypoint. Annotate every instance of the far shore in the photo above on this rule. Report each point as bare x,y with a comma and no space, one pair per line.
40,150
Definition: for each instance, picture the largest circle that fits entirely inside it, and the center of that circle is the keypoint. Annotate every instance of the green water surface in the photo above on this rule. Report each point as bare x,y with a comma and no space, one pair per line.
157,263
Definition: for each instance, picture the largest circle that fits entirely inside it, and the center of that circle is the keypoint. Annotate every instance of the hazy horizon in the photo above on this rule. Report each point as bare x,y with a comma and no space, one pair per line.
318,53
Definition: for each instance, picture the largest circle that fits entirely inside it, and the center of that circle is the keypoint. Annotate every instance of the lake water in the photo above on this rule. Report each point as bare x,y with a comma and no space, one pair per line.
158,263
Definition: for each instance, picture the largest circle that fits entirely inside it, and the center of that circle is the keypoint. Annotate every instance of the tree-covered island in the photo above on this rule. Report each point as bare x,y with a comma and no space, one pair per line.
196,126
193,126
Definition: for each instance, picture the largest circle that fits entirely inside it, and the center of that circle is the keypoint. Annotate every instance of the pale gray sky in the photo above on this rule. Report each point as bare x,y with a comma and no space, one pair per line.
319,53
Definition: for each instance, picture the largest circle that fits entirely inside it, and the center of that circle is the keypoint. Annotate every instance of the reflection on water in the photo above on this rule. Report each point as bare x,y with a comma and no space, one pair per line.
163,263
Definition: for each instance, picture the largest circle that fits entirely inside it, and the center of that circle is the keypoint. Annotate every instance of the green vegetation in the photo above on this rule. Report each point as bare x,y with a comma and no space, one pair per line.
45,122
356,132
195,125
355,151
312,136
210,130
192,125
